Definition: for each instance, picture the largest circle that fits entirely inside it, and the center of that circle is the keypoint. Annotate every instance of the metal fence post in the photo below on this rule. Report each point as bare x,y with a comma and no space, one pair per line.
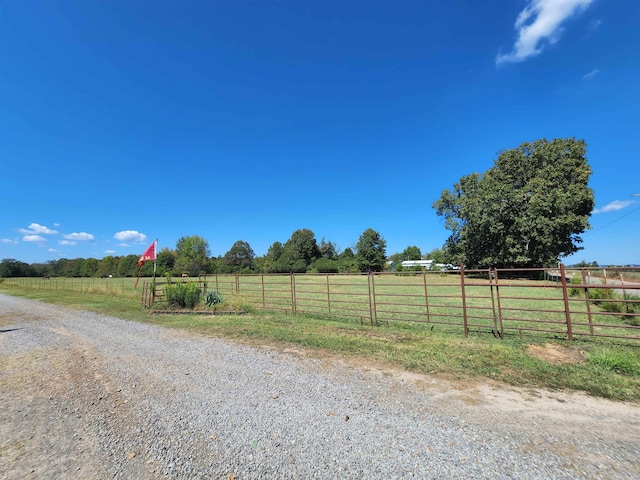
328,296
426,295
565,294
293,293
372,300
464,301
586,299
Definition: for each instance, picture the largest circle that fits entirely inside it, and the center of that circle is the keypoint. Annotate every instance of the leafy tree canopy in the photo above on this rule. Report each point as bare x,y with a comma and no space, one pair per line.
371,256
526,211
239,257
302,246
328,249
411,253
192,255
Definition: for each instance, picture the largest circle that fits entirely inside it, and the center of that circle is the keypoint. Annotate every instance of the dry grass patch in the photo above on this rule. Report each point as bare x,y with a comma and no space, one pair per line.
557,354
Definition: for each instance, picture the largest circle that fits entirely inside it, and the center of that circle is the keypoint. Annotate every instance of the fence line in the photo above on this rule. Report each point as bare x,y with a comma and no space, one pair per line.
569,303
564,302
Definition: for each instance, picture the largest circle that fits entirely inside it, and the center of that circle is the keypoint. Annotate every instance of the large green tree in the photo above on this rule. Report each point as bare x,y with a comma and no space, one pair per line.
371,255
239,257
528,210
300,251
272,256
192,255
303,246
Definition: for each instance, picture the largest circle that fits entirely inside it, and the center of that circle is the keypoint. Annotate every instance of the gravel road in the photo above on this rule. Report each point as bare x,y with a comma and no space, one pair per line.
94,397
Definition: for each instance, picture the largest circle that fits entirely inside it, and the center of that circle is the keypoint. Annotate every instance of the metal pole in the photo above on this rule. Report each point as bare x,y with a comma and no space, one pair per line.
565,295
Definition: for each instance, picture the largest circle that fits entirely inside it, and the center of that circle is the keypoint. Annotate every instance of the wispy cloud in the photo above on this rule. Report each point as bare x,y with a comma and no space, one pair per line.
595,24
130,236
613,206
83,236
37,229
34,239
540,21
591,74
67,243
8,240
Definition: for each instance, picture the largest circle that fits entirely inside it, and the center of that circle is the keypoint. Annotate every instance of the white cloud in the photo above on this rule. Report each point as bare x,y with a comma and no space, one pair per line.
67,242
9,240
79,236
591,74
109,252
540,20
34,239
52,250
613,206
130,236
36,228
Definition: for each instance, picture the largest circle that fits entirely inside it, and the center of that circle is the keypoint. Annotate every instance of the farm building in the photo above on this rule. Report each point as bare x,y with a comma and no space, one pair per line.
426,264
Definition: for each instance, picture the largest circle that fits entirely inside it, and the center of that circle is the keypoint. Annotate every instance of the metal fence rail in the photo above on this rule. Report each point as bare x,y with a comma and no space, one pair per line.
567,303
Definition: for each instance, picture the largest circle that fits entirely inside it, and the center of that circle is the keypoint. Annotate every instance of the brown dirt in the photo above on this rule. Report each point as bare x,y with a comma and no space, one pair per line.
559,354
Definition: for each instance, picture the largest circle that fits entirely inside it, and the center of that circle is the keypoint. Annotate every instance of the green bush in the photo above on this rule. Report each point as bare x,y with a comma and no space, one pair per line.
213,298
325,265
182,295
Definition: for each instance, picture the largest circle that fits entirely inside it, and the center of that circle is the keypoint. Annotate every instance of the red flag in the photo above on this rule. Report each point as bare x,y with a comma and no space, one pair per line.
149,254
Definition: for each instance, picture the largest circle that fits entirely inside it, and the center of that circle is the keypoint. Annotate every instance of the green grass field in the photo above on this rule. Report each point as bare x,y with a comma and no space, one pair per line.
405,336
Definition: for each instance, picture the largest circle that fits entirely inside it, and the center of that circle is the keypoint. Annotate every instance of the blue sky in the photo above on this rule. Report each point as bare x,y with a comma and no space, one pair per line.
126,121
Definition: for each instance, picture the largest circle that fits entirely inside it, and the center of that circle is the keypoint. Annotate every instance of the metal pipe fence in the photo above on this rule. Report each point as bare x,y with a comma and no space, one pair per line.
562,302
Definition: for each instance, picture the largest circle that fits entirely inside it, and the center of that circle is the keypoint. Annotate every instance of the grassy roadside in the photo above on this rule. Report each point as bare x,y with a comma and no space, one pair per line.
601,367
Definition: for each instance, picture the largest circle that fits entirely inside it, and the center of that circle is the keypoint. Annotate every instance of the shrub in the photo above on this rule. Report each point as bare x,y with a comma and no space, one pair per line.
325,265
213,298
182,295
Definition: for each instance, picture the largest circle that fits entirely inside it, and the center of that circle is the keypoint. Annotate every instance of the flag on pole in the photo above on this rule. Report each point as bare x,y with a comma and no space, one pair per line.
149,254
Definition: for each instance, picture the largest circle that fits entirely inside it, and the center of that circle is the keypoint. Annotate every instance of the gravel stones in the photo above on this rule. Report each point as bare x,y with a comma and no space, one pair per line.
118,399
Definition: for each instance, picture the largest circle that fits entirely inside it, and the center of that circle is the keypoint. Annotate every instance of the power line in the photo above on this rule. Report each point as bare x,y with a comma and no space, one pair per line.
614,221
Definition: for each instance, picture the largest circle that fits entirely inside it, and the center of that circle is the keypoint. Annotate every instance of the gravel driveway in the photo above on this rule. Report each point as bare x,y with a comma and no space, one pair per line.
90,397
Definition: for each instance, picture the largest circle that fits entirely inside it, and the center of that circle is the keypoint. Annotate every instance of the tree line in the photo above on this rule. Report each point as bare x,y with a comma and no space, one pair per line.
301,253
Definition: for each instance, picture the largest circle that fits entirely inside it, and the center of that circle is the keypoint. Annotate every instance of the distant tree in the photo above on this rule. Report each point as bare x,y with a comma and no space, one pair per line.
108,266
272,256
437,255
328,249
10,267
239,257
41,269
325,265
584,263
526,211
371,255
192,255
127,266
88,267
165,261
411,253
303,246
258,263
